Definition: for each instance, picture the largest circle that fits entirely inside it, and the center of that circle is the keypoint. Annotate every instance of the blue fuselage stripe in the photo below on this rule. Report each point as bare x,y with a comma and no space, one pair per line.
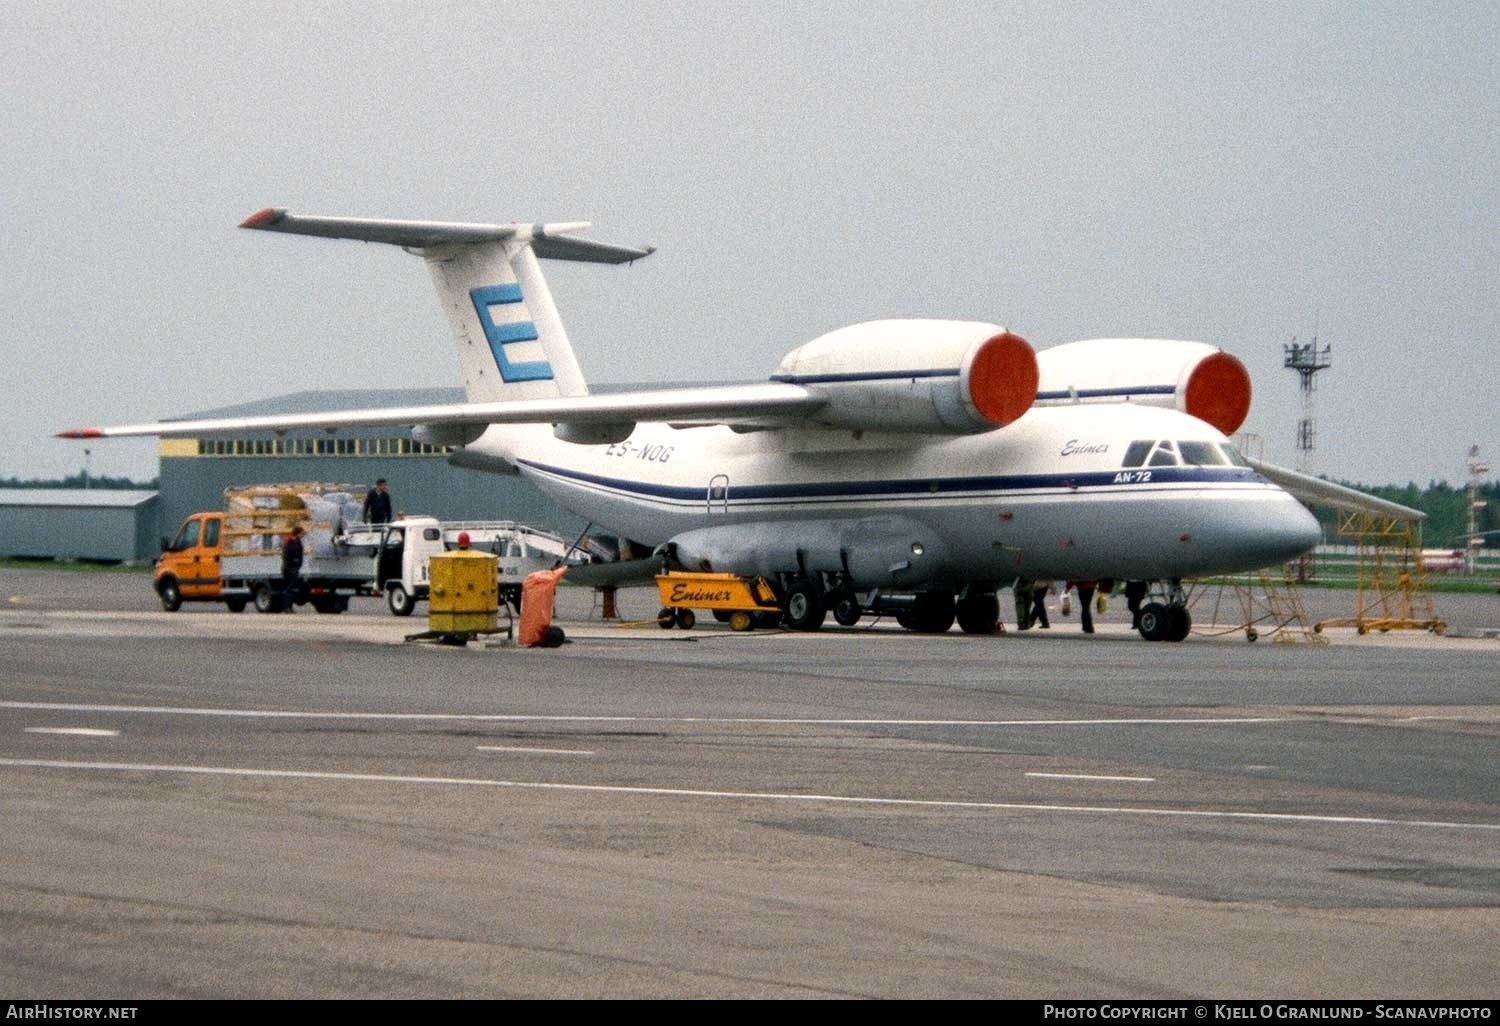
828,379
953,372
948,487
1106,393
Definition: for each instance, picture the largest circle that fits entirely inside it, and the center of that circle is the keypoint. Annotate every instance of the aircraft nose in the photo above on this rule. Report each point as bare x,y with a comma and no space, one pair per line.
1293,530
1269,529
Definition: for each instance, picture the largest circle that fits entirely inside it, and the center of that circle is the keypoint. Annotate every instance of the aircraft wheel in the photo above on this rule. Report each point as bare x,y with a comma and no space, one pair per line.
399,600
933,613
741,621
1179,623
685,619
805,610
171,594
1155,622
237,605
266,600
979,614
666,619
846,610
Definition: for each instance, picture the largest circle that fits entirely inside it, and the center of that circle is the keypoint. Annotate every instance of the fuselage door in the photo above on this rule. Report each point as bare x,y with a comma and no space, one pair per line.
718,494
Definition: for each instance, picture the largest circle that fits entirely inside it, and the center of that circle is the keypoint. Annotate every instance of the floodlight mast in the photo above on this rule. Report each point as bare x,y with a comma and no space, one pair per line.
1474,540
1306,359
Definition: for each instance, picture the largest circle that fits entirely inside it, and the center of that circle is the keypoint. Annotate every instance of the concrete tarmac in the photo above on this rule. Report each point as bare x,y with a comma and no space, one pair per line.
205,804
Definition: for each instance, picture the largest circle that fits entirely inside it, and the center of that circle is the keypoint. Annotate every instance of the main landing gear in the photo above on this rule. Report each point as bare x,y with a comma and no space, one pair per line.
1165,616
807,600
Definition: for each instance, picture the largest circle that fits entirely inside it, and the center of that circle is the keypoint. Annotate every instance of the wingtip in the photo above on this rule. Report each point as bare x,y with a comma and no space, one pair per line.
80,433
262,218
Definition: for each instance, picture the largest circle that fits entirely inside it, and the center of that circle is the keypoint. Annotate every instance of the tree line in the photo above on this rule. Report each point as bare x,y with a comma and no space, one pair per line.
77,481
1446,506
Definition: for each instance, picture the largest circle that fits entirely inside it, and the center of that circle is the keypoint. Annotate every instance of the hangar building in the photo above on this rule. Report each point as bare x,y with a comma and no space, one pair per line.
79,523
196,471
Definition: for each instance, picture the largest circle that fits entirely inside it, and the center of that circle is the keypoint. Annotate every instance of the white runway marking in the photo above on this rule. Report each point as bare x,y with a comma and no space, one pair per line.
532,751
1088,776
764,796
293,714
79,731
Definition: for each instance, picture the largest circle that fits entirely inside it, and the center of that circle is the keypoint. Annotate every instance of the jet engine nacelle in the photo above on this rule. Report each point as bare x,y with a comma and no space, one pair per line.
1193,377
951,377
872,552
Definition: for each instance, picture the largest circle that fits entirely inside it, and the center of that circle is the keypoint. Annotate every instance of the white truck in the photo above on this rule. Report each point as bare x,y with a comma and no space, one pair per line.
402,549
391,559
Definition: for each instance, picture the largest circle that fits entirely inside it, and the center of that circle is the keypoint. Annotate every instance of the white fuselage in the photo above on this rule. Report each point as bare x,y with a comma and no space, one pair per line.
1045,497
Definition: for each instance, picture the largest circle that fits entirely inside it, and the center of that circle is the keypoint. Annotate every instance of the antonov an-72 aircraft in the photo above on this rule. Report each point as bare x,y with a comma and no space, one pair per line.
906,465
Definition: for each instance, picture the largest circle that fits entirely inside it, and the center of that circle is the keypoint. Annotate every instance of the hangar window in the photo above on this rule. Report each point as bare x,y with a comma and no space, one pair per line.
1201,454
1135,456
304,447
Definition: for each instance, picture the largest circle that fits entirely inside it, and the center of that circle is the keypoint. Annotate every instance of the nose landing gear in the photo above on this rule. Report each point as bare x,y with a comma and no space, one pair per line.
1165,617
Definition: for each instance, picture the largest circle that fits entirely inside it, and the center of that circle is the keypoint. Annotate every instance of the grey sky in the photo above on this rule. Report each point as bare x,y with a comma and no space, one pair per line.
1187,170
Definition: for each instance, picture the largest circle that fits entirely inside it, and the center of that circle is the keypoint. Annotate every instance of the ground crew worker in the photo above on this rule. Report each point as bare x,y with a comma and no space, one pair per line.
1086,591
1038,613
1022,591
291,567
378,505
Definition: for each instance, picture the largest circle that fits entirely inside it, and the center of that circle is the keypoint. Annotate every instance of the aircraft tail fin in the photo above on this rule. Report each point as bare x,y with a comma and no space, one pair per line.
511,342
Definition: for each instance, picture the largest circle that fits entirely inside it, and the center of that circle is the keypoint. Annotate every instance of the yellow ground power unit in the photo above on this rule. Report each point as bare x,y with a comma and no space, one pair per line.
464,594
742,598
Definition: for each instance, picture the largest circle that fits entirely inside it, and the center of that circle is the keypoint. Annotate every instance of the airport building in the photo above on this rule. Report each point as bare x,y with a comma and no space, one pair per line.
104,524
196,471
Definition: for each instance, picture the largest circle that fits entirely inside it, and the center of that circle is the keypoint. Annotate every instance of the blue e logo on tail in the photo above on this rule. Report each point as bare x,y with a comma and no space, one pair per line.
502,335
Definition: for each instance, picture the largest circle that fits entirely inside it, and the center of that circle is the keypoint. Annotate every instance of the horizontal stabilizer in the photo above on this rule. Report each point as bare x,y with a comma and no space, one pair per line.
732,404
549,241
1325,493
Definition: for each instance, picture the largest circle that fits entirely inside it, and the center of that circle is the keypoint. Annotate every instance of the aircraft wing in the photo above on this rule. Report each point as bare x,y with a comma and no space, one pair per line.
745,406
1320,492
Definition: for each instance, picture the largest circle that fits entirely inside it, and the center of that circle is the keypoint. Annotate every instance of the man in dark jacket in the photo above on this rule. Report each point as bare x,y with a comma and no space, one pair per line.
378,505
291,567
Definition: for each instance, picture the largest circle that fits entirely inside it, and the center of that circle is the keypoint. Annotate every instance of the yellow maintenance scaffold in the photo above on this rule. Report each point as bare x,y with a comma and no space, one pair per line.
1266,603
1391,591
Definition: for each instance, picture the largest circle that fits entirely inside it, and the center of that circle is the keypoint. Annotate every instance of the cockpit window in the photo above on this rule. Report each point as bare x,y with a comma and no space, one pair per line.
1165,455
1201,454
1233,455
1136,454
